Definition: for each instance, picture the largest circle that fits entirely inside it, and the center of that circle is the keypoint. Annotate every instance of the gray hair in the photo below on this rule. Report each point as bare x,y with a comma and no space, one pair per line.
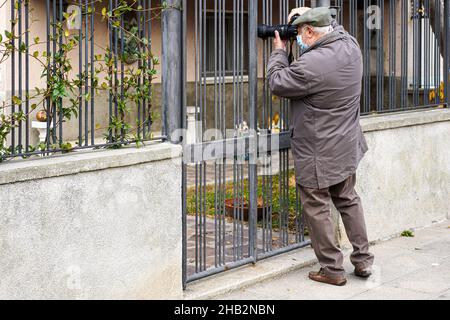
322,30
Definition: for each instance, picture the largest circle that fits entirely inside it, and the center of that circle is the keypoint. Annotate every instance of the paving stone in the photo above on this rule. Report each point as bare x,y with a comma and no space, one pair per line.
386,292
432,279
400,272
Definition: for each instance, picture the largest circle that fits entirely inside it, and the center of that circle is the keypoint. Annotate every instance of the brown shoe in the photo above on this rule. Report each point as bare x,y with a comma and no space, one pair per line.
363,272
320,276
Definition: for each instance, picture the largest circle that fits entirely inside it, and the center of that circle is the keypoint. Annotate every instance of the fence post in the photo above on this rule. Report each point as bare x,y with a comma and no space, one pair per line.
172,69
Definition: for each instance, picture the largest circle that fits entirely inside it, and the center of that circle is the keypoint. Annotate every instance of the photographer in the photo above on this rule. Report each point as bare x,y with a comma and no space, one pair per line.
324,86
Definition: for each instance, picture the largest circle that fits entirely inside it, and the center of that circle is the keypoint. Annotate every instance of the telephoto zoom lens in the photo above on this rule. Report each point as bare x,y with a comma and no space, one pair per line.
286,31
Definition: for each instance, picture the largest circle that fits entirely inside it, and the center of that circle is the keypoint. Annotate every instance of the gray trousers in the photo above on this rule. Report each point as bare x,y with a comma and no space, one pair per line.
316,208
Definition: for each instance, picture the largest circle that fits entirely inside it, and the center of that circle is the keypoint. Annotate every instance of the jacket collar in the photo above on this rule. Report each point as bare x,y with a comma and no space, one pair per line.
326,39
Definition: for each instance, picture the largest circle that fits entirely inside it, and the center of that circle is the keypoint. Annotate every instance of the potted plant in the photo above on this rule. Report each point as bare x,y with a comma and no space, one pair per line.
236,205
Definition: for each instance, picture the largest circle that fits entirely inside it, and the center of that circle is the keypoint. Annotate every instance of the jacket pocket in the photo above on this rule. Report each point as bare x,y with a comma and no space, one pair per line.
345,151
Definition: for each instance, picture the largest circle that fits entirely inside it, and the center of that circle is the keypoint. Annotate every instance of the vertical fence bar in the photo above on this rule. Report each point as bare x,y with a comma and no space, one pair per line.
27,78
446,51
437,50
122,75
148,104
200,168
196,17
204,164
80,75
420,20
48,104
216,169
86,72
426,53
92,75
54,67
147,16
20,61
404,55
13,77
416,48
184,166
353,10
116,65
236,125
367,48
380,59
60,44
253,94
392,54
141,21
110,71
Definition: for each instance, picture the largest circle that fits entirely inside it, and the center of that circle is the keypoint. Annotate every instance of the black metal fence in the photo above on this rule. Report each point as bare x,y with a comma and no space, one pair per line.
81,72
405,54
238,211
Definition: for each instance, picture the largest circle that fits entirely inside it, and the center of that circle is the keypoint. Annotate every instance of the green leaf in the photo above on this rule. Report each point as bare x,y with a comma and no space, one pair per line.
16,100
8,34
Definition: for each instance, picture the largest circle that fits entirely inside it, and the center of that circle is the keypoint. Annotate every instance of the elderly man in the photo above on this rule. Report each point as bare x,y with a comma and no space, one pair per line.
324,86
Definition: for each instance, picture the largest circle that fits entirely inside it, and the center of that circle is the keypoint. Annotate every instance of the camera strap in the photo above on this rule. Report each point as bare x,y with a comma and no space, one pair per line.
291,55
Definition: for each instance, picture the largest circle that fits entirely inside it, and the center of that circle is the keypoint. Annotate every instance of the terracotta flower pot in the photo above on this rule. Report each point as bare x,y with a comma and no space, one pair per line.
230,206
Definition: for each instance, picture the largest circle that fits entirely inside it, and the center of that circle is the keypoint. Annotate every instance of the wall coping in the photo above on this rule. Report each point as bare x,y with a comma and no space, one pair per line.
388,121
85,161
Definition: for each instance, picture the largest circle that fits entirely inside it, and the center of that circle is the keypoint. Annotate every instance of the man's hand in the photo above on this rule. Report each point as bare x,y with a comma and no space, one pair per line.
278,43
299,11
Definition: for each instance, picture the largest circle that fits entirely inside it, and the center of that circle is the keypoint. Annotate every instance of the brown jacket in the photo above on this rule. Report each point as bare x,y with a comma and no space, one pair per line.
324,86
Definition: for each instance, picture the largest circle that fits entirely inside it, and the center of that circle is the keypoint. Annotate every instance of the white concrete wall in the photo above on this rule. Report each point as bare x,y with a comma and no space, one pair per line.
404,179
107,224
100,225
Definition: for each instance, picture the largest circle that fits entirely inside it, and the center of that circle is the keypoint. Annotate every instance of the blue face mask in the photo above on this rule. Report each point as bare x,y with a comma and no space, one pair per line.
303,46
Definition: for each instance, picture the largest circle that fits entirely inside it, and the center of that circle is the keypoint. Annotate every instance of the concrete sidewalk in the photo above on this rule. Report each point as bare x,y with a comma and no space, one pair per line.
405,268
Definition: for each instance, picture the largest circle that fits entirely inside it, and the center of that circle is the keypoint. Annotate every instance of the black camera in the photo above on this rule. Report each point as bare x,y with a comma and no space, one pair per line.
286,31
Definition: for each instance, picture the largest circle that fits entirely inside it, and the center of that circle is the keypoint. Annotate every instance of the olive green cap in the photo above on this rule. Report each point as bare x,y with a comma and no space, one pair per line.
317,17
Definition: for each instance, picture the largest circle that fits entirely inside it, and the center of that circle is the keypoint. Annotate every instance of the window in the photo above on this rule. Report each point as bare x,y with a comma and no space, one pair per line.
232,41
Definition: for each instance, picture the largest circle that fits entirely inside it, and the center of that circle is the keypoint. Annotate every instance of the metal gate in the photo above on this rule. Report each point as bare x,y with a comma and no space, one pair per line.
240,199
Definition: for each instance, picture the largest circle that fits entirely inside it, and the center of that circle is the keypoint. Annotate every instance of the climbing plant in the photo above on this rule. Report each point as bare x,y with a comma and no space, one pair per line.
127,87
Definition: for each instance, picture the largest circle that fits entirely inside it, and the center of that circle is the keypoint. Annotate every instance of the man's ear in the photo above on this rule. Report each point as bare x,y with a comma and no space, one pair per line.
309,31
